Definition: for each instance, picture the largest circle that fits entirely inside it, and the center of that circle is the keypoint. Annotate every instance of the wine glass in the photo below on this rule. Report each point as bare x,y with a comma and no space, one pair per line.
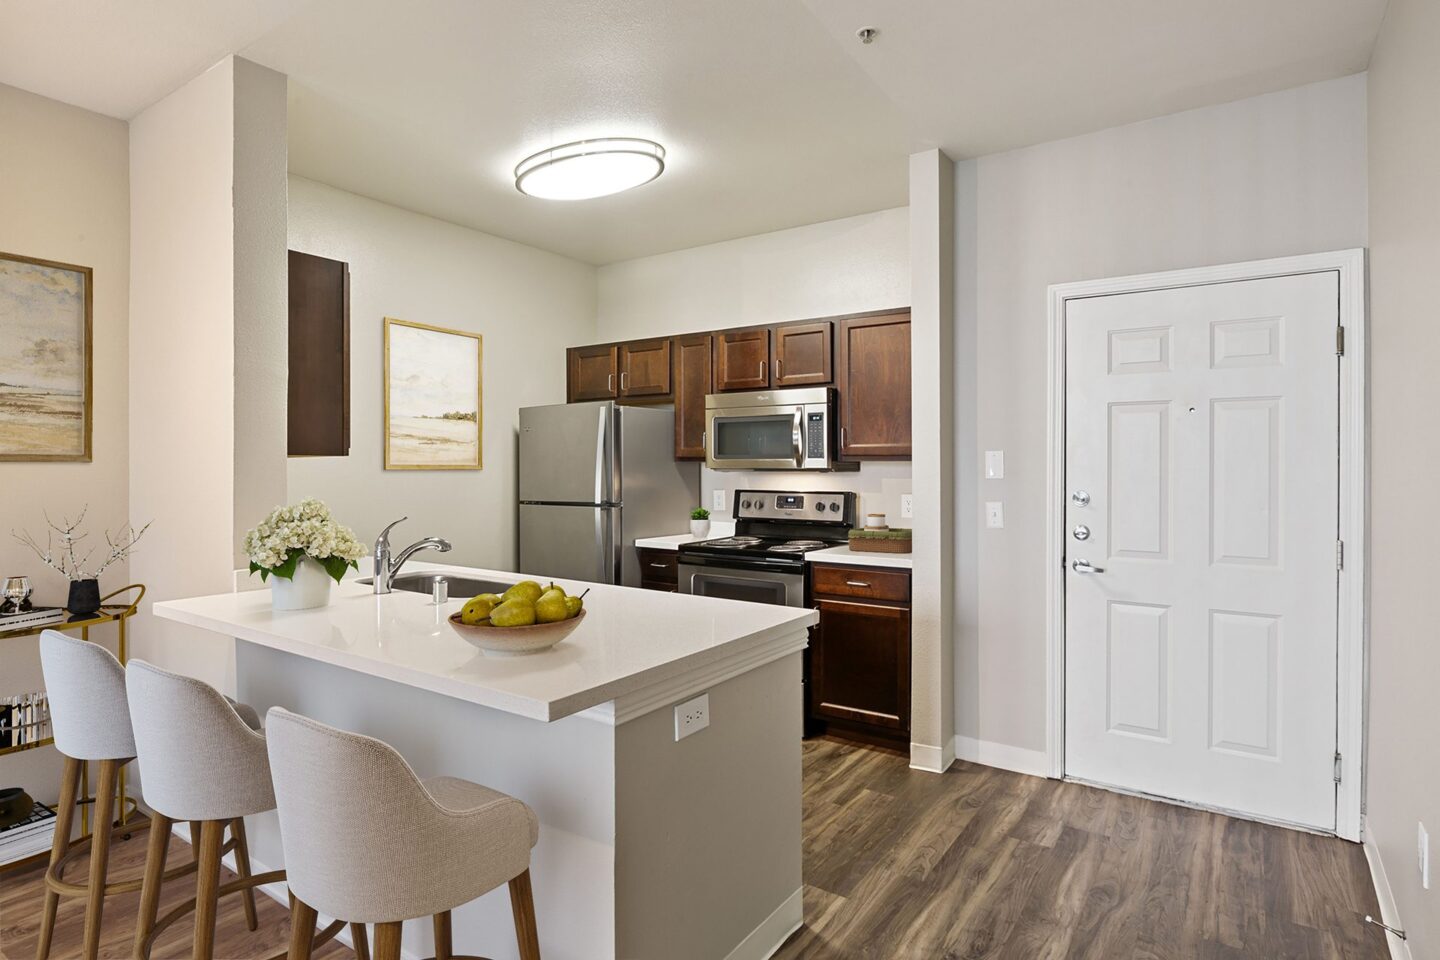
15,591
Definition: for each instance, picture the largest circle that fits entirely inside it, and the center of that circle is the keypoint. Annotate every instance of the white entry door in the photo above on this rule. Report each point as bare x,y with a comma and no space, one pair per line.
1202,489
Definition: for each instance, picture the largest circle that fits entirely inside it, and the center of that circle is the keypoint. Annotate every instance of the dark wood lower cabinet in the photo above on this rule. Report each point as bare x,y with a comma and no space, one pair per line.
859,665
659,569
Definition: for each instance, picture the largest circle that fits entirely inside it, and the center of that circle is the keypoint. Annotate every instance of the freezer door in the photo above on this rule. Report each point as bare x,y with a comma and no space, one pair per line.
566,453
570,541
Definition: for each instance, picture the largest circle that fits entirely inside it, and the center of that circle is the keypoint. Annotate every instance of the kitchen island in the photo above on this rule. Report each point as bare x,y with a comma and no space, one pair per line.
651,848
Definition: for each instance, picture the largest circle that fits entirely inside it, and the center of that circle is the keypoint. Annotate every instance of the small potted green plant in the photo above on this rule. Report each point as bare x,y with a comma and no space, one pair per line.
699,523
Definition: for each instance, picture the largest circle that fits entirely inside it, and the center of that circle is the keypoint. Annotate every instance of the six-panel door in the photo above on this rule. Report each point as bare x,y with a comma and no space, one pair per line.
1202,495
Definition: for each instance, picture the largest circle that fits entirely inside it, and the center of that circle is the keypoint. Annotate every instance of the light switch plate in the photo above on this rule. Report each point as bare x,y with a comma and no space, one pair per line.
994,514
907,506
718,501
692,716
994,464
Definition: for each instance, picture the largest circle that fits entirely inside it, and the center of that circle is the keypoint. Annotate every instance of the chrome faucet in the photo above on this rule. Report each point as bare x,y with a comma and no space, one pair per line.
386,568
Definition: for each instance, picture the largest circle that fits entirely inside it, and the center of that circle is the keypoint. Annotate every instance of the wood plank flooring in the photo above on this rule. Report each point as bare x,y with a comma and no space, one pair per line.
20,899
980,862
976,863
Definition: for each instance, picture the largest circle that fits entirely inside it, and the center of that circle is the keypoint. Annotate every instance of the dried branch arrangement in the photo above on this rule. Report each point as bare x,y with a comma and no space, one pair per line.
64,557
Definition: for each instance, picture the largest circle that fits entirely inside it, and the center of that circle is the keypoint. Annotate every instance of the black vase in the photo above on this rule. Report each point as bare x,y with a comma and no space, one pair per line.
84,600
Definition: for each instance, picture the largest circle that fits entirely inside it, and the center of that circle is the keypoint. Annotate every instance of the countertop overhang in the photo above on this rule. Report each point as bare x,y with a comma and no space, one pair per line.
635,651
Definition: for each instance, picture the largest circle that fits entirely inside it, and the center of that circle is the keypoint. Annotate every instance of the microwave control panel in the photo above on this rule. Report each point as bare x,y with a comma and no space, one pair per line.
769,505
815,436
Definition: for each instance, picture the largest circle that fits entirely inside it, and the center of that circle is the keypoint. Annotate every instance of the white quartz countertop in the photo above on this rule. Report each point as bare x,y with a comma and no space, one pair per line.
857,558
718,528
630,641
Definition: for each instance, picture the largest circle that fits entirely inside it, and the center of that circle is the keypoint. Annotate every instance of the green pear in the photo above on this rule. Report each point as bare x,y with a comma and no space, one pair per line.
551,608
527,590
573,606
515,612
478,608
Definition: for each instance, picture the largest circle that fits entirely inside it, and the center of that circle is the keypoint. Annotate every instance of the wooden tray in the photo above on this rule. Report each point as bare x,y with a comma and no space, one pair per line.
880,545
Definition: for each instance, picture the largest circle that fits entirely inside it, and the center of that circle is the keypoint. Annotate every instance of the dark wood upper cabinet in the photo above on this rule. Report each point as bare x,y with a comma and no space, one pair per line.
872,372
645,368
692,379
319,380
591,373
803,354
742,359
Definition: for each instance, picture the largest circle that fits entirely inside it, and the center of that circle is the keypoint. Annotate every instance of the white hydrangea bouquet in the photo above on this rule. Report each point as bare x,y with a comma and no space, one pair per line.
291,534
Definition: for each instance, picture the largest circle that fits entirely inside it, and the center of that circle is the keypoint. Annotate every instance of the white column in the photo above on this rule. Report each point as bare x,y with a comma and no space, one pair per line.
208,309
932,401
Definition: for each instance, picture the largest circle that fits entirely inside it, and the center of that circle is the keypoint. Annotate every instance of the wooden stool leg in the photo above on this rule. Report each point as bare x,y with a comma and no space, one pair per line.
522,904
387,941
207,882
361,941
242,867
443,945
155,854
195,840
302,929
64,820
99,855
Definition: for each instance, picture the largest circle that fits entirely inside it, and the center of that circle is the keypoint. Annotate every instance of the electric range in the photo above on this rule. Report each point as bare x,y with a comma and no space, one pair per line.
764,561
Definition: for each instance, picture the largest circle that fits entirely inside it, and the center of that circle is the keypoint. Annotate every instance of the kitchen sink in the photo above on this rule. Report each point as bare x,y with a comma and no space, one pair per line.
460,587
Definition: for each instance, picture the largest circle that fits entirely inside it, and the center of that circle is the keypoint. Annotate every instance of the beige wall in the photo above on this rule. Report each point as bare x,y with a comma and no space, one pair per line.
64,196
204,196
823,269
1269,176
529,305
1404,773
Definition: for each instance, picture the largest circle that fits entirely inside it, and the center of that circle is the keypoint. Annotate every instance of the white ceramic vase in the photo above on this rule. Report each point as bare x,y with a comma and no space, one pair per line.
310,587
700,528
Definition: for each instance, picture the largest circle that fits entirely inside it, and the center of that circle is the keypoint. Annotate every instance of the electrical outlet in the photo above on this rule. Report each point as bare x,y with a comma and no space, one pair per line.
1423,852
994,464
718,501
994,514
692,716
907,506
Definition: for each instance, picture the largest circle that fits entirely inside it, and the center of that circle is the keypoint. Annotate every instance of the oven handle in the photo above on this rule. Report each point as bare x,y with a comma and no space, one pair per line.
798,435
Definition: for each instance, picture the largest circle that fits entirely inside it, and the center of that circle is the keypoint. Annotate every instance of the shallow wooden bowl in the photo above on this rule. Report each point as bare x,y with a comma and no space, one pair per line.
531,639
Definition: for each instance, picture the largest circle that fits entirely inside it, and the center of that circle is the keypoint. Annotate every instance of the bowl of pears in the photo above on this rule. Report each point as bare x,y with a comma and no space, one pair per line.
527,618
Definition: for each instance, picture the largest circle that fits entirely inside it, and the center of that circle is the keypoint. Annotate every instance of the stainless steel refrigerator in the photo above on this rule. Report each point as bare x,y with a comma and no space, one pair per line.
593,478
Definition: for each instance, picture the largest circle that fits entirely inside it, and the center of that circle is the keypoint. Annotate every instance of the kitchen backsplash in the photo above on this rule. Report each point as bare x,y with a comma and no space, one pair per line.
878,484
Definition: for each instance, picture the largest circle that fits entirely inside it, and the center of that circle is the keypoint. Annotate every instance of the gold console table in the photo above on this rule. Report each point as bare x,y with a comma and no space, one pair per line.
118,614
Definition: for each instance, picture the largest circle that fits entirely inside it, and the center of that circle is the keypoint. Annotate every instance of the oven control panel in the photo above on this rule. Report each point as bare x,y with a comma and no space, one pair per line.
779,505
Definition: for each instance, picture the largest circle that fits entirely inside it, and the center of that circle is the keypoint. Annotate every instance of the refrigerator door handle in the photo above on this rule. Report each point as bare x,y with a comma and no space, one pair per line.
601,460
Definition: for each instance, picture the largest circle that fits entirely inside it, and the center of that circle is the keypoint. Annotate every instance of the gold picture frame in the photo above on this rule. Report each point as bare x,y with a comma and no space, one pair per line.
46,341
426,392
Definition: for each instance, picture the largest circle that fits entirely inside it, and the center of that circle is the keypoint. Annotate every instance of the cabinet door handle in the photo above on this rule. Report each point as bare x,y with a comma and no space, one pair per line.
622,381
762,369
842,438
777,370
610,382
658,566
856,583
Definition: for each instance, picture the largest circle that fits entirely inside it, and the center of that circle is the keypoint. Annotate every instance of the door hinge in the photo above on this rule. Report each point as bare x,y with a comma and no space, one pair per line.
1339,341
1337,766
1339,554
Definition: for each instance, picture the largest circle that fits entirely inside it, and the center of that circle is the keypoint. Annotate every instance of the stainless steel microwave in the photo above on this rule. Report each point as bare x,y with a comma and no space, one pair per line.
772,430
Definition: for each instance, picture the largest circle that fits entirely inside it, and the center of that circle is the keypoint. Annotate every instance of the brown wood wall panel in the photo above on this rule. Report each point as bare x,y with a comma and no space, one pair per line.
318,415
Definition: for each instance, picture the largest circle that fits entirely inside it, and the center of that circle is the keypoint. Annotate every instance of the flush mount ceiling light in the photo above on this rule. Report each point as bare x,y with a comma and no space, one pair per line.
590,168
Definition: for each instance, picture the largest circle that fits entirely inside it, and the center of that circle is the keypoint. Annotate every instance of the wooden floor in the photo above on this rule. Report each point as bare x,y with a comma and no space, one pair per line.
980,862
975,863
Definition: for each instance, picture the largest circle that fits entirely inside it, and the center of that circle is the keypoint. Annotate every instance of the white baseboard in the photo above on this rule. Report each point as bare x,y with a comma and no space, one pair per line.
932,759
1002,755
773,931
1399,949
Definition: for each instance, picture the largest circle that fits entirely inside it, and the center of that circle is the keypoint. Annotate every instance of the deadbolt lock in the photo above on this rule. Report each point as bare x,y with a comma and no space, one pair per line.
1081,532
1080,498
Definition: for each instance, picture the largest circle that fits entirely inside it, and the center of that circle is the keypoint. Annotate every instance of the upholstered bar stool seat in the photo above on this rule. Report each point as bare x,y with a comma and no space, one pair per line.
368,841
202,759
90,715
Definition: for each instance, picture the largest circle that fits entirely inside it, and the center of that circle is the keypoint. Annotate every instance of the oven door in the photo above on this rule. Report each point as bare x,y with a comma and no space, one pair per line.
775,585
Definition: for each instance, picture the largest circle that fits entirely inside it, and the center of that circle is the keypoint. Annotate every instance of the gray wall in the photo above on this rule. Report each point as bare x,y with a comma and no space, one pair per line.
529,305
1404,768
1270,176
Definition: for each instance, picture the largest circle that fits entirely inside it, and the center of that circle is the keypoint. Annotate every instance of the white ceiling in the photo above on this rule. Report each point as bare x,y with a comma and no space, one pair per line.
773,113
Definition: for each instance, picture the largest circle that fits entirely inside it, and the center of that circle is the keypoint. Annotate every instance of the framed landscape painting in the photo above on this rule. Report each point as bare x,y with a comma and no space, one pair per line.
434,419
45,362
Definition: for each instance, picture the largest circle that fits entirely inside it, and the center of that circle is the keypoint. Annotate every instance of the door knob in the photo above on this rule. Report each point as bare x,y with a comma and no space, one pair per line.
1085,566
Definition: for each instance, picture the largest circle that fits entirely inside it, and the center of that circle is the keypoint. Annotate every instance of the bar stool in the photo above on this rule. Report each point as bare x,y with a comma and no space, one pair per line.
91,720
367,840
202,759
